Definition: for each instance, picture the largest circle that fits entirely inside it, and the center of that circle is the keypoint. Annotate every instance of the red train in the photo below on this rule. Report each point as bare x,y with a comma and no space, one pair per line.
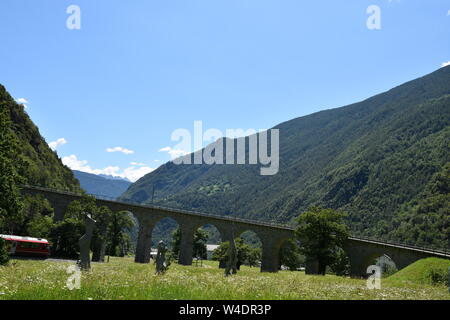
27,246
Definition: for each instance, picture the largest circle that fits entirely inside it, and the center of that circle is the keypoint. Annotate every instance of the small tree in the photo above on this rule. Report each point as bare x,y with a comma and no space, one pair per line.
4,254
100,236
38,217
341,264
118,240
245,253
65,235
176,242
320,232
198,246
254,257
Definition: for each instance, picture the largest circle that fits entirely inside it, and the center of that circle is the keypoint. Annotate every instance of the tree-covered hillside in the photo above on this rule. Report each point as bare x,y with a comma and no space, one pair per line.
377,159
25,157
39,165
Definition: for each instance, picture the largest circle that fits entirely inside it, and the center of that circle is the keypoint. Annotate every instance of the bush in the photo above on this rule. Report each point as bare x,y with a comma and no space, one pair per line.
290,256
4,255
341,264
438,276
65,236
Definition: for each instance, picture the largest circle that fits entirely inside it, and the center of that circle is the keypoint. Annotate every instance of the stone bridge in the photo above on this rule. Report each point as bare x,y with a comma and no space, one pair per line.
361,252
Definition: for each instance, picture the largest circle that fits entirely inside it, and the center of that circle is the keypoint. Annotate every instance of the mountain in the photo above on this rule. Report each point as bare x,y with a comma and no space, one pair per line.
102,185
379,160
39,165
114,178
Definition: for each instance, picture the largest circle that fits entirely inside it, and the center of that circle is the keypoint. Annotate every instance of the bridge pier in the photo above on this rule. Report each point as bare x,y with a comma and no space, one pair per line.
270,261
186,244
144,242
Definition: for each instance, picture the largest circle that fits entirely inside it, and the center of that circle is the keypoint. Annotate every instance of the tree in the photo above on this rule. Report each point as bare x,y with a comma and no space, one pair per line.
64,237
118,239
245,253
320,232
4,254
341,264
198,245
176,242
103,217
290,255
37,217
66,233
10,200
254,257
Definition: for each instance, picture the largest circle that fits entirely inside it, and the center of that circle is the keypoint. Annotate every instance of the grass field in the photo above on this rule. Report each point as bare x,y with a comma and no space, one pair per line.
121,278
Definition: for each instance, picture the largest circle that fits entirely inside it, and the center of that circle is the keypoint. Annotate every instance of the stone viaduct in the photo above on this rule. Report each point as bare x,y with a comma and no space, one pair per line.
361,252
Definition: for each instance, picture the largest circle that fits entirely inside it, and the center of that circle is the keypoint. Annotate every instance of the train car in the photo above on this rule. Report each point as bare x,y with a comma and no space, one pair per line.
27,246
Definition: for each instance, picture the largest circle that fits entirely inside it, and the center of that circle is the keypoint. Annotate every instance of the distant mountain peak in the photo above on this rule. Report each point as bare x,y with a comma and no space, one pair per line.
110,177
103,185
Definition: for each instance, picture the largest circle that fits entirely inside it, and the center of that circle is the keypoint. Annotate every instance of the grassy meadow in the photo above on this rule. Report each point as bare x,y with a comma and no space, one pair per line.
121,278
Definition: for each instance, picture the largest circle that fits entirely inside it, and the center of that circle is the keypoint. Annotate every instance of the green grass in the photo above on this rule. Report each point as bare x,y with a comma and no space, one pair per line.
121,278
421,272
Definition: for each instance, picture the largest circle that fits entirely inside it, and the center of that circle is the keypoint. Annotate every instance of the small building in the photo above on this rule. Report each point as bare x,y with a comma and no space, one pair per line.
153,253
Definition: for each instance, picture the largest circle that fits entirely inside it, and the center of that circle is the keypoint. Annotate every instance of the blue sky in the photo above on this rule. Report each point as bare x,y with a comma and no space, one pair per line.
137,70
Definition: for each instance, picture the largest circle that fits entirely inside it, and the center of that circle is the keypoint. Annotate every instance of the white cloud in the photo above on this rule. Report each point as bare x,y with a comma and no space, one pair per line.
22,101
448,13
55,144
174,153
120,149
73,163
444,64
109,171
131,173
137,164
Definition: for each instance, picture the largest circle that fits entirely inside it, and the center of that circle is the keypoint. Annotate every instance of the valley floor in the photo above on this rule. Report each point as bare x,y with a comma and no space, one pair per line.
121,278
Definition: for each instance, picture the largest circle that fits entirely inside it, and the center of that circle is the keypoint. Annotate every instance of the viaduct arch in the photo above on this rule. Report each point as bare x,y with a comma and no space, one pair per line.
272,236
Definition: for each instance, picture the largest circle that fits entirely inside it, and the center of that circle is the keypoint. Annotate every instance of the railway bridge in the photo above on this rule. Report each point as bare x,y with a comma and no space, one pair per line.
361,252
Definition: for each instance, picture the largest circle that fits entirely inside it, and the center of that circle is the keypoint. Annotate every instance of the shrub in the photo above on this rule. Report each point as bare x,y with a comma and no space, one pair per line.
438,276
4,255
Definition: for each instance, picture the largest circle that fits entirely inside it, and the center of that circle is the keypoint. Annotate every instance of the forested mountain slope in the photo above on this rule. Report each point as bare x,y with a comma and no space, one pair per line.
377,160
101,185
37,163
